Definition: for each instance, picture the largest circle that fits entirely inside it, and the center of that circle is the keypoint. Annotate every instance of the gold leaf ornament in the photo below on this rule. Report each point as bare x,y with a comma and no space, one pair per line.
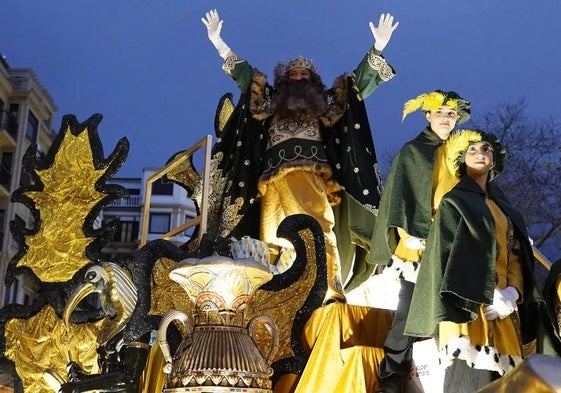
57,250
43,341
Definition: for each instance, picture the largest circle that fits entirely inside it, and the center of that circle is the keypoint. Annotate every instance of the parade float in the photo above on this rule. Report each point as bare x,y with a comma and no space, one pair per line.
206,316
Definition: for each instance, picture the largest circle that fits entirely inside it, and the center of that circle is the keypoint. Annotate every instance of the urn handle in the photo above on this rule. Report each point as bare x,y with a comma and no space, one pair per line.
273,331
169,317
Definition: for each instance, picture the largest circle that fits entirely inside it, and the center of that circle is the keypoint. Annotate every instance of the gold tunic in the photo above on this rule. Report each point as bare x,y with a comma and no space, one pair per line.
500,336
297,180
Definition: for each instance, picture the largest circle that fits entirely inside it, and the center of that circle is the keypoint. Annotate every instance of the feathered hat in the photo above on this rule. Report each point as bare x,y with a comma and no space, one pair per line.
432,101
458,143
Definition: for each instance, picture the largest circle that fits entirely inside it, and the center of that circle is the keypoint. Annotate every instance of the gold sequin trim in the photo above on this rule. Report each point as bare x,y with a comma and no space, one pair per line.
379,64
231,62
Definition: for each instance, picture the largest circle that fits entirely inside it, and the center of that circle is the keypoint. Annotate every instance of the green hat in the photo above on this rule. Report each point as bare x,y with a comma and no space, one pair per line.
458,143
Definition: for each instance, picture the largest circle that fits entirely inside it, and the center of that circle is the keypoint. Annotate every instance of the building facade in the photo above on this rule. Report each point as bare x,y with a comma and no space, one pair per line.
170,207
26,113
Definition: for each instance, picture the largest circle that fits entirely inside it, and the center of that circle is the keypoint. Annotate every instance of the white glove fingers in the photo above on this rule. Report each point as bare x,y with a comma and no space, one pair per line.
383,32
415,243
510,293
211,17
389,20
503,301
490,313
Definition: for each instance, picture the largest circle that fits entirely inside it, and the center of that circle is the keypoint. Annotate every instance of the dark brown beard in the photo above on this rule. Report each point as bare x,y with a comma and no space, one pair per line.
302,99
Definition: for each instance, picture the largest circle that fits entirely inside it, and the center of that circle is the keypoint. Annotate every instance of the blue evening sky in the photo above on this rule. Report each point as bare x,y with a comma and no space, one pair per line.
149,69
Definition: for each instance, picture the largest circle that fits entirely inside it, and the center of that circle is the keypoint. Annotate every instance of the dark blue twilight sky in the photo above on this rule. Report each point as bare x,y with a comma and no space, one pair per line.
149,69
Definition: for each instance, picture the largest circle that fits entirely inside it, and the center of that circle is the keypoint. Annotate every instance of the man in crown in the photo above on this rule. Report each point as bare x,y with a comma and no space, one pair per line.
297,147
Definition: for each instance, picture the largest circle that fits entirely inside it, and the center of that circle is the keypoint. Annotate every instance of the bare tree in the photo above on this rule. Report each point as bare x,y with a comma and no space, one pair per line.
532,175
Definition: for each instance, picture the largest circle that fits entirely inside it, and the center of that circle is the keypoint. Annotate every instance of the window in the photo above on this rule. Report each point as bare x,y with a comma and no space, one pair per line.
129,231
6,169
14,110
189,231
159,222
161,188
32,127
133,191
6,161
10,120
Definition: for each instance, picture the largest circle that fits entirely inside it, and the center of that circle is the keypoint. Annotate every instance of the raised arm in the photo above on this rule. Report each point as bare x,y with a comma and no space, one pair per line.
214,27
235,66
373,68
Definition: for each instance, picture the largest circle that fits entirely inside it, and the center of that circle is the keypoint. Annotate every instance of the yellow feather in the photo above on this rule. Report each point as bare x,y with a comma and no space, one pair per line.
452,103
412,105
458,142
433,101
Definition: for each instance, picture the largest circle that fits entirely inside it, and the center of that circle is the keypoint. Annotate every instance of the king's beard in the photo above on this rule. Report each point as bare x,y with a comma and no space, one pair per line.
299,99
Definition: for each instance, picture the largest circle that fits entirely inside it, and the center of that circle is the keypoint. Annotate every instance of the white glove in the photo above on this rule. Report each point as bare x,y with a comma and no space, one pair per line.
214,26
383,32
504,303
415,243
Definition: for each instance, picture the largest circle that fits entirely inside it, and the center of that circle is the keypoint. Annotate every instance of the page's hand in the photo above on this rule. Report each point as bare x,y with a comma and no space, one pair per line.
415,243
504,303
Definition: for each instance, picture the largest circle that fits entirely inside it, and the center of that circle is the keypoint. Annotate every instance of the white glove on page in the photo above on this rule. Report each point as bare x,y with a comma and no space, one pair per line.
415,243
504,303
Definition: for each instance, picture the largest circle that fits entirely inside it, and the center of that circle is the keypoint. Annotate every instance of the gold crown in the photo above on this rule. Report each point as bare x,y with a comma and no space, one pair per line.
301,62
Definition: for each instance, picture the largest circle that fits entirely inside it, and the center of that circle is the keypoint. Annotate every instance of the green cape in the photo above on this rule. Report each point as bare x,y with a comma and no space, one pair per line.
457,270
407,198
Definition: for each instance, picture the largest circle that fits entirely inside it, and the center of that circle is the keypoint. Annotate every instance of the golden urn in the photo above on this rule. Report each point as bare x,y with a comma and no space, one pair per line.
218,352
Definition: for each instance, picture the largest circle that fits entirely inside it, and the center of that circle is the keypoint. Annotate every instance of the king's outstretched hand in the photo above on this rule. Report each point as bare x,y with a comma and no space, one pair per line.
214,27
213,24
383,32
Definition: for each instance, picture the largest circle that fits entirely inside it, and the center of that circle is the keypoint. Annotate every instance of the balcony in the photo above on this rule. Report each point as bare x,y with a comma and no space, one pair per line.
131,201
8,130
